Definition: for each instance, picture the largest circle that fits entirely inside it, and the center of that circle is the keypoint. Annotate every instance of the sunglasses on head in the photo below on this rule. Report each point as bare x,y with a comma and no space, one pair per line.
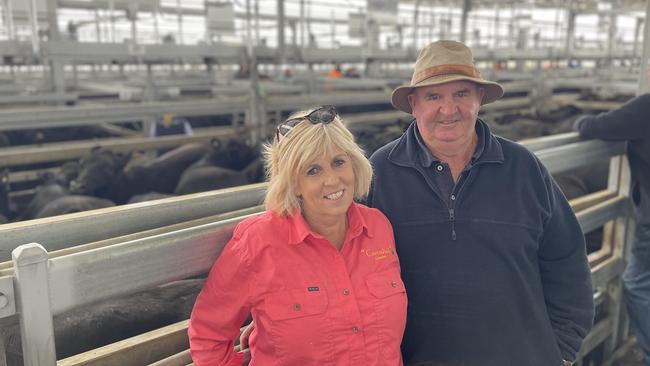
324,114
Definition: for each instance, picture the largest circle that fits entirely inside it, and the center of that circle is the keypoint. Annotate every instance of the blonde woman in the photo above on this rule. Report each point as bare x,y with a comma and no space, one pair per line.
317,271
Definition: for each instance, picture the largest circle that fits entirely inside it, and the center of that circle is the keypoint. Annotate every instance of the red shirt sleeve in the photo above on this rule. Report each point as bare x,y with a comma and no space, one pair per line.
220,309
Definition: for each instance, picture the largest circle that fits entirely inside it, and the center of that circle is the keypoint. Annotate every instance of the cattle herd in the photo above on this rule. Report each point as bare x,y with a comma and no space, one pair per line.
105,178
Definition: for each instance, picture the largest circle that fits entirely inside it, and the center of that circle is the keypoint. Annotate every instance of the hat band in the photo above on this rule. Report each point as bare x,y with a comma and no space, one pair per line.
470,71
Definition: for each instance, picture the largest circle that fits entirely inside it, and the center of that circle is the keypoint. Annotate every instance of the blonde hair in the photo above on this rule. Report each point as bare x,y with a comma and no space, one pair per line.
285,158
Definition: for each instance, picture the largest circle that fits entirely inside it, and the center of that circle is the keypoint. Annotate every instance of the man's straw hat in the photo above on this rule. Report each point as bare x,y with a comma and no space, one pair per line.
442,62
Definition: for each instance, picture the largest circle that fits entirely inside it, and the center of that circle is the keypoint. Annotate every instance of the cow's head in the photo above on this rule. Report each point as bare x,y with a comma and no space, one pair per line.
98,171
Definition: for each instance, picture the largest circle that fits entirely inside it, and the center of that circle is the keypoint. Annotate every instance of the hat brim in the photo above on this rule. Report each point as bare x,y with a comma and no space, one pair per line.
399,98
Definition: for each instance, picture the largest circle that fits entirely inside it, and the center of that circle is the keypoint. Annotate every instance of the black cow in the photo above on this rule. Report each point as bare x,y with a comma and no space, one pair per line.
162,173
101,175
118,177
205,178
234,155
45,193
72,203
55,185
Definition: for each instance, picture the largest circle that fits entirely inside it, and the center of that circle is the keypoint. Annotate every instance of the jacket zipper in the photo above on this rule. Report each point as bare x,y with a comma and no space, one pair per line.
452,214
452,218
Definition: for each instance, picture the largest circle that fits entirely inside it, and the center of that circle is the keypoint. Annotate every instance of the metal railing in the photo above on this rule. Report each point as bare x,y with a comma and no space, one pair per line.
42,286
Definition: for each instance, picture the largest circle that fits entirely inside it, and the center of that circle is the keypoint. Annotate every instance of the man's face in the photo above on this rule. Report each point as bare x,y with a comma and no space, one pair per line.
446,113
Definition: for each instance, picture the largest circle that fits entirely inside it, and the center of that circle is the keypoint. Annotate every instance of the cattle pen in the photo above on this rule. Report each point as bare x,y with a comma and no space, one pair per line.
44,280
78,77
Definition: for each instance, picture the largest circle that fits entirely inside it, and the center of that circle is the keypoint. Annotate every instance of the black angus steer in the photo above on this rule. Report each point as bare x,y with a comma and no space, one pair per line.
72,203
54,186
100,175
118,177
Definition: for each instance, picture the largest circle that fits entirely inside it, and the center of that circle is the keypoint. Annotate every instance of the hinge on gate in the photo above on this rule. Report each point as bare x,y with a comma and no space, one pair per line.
7,298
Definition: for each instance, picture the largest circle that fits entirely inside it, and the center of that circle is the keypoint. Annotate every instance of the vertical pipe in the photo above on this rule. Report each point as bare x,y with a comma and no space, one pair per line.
33,295
33,17
10,19
467,7
179,14
415,24
111,14
281,21
156,29
637,36
495,31
611,38
645,71
257,22
97,30
57,72
333,28
571,30
302,24
134,31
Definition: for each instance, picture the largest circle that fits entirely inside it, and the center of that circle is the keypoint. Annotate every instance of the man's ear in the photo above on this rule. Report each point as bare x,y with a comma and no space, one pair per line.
411,99
480,91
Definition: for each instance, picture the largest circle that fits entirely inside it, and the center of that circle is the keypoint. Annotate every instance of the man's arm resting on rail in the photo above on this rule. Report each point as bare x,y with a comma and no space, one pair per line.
629,122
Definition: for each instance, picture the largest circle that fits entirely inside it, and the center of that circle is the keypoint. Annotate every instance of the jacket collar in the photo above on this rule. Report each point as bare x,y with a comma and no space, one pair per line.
299,229
406,151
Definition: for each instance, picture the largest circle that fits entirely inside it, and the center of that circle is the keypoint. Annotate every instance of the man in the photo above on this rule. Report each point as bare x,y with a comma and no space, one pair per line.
492,256
631,123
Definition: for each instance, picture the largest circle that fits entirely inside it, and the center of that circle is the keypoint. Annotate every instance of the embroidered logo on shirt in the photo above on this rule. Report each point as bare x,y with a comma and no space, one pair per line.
313,288
379,253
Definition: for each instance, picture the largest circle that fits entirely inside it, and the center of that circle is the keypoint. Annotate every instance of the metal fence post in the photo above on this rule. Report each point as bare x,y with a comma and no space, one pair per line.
33,299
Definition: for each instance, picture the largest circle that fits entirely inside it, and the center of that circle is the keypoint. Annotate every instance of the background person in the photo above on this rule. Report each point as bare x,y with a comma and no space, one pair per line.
631,123
317,271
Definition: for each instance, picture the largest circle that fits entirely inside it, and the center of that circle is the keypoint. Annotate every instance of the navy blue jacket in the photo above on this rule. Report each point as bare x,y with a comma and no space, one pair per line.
500,277
630,123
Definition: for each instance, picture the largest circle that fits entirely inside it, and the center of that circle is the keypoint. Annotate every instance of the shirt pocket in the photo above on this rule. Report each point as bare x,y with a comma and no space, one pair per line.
298,327
389,296
293,304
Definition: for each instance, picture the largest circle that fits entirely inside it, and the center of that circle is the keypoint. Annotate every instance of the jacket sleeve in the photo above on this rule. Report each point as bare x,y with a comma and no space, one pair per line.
565,274
629,122
220,309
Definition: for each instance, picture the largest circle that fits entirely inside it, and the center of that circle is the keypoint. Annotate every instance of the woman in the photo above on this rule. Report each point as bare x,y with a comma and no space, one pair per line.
317,271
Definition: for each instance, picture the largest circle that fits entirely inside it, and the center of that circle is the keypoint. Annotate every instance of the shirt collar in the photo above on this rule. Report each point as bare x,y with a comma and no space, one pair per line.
427,159
299,229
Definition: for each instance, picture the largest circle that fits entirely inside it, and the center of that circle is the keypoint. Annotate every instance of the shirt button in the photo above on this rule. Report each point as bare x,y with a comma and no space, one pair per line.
393,283
296,307
355,330
439,167
453,197
346,292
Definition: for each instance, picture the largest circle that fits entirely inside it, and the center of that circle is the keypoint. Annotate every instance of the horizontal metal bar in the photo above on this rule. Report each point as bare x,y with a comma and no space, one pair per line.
93,275
6,268
562,158
64,231
26,118
547,142
60,151
606,271
598,334
591,199
597,215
